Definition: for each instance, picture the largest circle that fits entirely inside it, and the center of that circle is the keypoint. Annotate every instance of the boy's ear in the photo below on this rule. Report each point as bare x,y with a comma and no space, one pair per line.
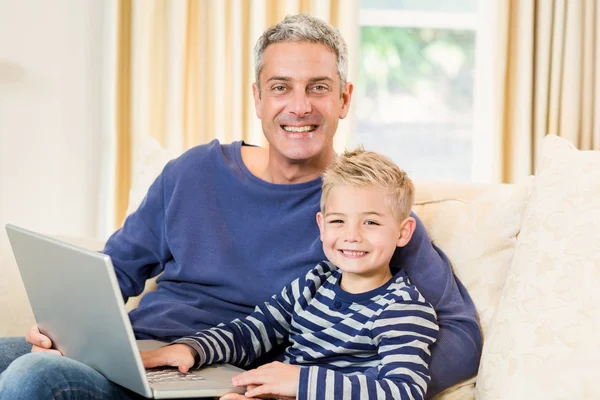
407,228
321,223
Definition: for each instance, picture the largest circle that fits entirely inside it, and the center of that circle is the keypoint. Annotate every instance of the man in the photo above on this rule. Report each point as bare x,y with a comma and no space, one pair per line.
228,225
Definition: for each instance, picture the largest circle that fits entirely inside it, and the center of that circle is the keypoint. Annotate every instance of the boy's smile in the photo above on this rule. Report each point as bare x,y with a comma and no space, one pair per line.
360,234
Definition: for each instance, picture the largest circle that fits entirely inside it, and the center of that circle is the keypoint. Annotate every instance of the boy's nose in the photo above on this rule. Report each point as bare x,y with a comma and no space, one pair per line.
352,234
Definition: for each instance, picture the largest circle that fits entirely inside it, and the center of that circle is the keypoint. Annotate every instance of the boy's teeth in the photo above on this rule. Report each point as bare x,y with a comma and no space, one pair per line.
299,128
353,253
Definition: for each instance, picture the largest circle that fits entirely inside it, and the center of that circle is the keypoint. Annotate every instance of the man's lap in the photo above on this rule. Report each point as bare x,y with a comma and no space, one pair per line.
12,348
43,375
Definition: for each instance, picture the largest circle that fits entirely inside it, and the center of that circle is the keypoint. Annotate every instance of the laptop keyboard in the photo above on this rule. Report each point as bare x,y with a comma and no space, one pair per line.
171,375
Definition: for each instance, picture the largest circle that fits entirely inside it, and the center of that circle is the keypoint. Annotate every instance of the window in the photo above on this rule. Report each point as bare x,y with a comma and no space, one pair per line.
415,84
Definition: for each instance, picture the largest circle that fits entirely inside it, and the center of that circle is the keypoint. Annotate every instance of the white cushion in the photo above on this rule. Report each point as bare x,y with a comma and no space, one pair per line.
150,160
543,341
479,237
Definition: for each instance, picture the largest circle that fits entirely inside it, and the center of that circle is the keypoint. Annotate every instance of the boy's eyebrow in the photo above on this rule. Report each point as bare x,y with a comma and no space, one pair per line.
373,213
363,213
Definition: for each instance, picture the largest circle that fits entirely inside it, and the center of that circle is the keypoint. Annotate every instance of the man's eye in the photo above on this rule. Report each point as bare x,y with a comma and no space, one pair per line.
320,88
278,88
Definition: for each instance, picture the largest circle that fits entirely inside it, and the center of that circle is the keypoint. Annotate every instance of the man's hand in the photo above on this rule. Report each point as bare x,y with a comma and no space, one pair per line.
175,355
275,379
40,342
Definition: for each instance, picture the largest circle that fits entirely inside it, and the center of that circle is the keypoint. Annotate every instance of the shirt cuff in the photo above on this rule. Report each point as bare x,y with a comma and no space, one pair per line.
199,353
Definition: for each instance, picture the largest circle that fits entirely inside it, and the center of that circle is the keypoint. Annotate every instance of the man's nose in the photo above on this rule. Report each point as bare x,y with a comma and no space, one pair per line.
300,104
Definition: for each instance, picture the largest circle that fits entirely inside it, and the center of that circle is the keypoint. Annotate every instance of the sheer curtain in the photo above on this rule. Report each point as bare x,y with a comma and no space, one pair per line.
185,69
538,73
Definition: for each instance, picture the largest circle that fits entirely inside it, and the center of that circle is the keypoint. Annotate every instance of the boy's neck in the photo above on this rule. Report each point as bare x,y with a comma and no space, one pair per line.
356,284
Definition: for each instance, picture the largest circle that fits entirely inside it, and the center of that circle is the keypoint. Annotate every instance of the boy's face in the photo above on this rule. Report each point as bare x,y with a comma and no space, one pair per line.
359,231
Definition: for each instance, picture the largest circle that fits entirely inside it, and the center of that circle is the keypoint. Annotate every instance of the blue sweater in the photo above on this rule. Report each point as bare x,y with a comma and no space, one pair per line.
226,240
371,345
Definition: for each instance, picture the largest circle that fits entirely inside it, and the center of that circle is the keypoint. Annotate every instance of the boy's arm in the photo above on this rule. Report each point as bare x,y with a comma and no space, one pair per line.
456,354
405,331
139,249
241,341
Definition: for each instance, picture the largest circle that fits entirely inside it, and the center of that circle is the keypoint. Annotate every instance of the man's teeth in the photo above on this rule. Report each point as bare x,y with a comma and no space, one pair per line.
307,128
354,253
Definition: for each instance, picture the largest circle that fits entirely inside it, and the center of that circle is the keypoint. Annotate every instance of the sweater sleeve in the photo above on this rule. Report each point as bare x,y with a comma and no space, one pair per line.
404,332
139,249
456,354
242,341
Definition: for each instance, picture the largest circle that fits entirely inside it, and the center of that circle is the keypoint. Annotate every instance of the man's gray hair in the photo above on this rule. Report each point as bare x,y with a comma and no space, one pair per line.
303,28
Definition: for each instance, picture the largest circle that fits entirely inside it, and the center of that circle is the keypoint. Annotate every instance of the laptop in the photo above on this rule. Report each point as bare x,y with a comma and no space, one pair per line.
76,300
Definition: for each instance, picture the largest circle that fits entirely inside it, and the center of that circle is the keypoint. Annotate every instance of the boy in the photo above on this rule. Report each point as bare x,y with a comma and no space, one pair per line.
355,330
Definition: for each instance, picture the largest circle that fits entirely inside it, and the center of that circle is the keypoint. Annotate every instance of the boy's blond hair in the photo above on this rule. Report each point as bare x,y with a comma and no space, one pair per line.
362,168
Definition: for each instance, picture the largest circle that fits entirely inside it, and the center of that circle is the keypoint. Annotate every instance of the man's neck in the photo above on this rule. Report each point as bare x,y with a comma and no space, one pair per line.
274,169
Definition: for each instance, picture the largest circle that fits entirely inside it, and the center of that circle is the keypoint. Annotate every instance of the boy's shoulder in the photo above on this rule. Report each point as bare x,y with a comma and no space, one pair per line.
322,271
402,290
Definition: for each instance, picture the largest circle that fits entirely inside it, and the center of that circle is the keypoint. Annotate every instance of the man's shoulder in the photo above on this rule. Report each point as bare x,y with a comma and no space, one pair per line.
207,151
203,157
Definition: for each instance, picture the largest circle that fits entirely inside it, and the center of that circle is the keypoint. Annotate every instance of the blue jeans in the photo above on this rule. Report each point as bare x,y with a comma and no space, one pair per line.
26,375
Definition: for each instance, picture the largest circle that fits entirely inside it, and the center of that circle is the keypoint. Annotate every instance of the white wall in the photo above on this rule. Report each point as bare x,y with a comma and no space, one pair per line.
53,130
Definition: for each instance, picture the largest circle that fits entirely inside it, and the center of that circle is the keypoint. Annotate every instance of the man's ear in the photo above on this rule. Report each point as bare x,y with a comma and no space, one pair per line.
257,103
321,223
346,99
407,228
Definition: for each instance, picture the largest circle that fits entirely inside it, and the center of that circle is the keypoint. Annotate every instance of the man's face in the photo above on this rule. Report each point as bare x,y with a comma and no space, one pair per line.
300,102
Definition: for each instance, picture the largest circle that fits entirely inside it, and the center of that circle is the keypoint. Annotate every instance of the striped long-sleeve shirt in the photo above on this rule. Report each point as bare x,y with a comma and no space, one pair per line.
372,345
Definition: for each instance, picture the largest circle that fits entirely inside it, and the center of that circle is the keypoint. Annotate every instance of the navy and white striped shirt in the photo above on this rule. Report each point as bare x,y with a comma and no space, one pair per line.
371,345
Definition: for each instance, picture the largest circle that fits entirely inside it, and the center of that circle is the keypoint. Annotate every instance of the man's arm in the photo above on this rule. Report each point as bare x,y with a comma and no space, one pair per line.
456,354
139,249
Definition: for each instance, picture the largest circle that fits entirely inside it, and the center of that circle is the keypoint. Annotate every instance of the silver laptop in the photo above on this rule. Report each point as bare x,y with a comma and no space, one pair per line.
76,300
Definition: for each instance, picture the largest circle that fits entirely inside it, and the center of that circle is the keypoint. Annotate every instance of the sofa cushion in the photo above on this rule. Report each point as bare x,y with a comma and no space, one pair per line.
478,232
543,340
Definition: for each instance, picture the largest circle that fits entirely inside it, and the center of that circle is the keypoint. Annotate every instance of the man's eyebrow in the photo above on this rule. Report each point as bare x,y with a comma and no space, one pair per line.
279,78
311,80
320,79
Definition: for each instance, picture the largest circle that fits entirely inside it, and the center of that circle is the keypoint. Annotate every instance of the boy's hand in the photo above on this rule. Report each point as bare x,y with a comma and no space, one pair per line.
275,379
175,355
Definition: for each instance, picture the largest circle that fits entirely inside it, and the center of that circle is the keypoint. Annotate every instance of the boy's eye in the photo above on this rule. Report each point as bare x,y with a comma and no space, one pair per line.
371,223
336,221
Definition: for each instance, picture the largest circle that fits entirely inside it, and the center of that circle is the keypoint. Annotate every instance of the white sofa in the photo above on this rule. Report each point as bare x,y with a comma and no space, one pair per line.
528,253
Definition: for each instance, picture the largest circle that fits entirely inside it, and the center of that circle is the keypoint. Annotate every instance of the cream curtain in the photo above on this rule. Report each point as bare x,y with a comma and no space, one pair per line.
538,73
185,69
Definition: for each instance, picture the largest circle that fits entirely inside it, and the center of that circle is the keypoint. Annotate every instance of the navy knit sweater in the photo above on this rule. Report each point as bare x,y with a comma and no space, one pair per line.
226,240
